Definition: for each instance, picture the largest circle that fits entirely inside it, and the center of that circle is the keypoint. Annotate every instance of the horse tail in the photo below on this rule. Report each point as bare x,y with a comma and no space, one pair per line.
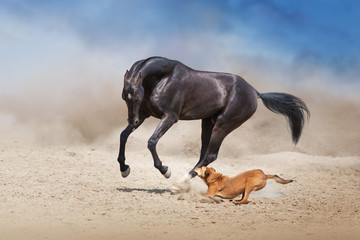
293,108
278,179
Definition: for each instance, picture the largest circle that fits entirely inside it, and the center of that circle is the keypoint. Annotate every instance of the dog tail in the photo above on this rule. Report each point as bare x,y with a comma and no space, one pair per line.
278,179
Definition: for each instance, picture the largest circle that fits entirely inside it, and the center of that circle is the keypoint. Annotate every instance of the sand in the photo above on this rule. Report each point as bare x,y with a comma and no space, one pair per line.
60,179
77,192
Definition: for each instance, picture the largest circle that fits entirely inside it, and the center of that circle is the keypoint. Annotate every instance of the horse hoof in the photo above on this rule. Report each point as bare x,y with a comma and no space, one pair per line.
125,173
168,173
183,185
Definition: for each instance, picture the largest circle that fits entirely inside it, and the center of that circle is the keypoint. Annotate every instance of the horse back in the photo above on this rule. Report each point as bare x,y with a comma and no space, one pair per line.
207,94
191,94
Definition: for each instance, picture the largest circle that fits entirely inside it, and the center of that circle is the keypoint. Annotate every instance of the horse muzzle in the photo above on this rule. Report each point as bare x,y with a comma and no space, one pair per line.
134,121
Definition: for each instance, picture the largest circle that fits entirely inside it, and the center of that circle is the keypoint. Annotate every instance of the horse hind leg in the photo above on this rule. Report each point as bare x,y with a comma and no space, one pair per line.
220,130
207,125
183,184
212,150
225,123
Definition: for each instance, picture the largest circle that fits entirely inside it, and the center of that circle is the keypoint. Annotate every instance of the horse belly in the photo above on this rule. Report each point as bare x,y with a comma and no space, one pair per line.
200,109
206,99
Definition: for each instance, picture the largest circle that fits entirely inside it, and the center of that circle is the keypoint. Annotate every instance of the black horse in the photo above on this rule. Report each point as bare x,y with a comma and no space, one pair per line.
169,90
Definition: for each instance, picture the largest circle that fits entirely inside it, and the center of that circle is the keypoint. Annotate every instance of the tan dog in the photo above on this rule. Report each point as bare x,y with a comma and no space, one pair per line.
244,183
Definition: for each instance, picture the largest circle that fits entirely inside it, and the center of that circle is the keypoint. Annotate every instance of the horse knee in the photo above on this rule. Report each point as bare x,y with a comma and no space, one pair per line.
125,134
152,144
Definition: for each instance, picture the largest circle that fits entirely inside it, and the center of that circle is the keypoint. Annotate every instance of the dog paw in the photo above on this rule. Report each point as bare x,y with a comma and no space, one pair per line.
210,199
239,202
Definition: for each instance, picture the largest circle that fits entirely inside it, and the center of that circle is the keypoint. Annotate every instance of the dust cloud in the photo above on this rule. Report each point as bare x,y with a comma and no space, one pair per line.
77,102
81,103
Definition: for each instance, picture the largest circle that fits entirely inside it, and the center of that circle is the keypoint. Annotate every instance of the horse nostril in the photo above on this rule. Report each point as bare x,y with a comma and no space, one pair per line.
136,122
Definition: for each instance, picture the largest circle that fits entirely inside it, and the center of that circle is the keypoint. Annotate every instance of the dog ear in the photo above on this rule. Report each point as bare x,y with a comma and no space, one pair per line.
212,175
207,172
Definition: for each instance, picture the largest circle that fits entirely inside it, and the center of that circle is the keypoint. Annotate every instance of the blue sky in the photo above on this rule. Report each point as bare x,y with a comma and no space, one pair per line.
62,62
228,35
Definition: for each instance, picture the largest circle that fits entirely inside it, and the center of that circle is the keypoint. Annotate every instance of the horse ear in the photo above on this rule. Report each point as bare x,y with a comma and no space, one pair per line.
126,76
138,80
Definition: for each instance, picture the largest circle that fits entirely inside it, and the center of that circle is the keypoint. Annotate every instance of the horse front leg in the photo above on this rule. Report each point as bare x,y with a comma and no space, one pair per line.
165,123
125,169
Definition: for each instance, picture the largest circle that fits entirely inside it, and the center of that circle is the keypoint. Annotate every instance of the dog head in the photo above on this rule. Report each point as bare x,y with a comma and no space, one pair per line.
208,174
204,172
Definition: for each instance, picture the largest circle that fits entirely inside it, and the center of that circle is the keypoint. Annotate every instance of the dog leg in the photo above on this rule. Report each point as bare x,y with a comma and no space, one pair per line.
245,197
212,192
215,199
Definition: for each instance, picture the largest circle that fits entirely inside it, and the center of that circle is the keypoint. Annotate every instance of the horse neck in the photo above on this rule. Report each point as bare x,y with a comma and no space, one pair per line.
154,70
149,84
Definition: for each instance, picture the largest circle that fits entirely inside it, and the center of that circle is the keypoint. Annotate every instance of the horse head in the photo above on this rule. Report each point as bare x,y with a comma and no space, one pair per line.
133,94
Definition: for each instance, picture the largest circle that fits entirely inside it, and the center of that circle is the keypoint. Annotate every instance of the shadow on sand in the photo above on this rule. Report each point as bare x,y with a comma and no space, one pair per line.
156,191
